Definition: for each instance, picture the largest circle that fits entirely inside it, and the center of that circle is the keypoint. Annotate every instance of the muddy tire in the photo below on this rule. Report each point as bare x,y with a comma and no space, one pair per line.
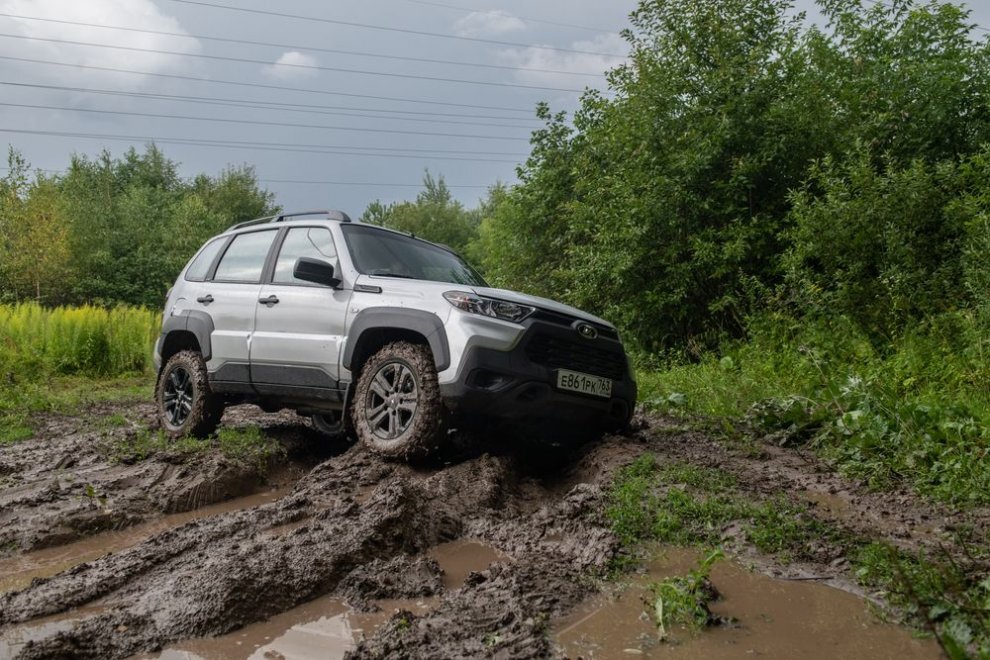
397,411
185,403
331,427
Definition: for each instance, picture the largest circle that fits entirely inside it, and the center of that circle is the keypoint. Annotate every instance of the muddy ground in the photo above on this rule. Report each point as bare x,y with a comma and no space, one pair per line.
332,520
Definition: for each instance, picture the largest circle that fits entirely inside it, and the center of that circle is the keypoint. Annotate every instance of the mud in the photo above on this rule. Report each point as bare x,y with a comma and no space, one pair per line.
67,484
489,550
764,617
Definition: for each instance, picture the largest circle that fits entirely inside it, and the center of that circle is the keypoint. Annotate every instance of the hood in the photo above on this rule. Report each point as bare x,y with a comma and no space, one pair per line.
542,303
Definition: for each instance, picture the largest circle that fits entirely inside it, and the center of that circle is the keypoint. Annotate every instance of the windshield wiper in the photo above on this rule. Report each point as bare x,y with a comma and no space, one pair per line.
388,274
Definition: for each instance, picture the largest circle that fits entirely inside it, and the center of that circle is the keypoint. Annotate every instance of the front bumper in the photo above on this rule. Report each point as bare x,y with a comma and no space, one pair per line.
520,383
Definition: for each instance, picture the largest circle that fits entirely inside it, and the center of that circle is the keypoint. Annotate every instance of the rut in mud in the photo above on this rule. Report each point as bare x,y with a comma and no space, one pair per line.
72,481
361,529
348,525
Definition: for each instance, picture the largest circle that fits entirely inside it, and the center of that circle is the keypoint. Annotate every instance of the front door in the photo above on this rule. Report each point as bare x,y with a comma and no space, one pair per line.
299,326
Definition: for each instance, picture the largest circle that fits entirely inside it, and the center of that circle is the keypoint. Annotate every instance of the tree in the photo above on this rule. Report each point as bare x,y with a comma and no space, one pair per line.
435,216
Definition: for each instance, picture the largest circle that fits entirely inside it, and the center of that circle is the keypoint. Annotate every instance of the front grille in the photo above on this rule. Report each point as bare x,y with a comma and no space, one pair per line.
568,321
577,355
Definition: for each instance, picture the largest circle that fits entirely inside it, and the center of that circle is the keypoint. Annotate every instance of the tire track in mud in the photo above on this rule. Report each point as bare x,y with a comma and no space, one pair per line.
214,575
358,527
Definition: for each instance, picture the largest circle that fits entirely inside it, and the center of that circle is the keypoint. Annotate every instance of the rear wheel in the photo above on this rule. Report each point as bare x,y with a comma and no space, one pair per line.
331,426
397,410
186,405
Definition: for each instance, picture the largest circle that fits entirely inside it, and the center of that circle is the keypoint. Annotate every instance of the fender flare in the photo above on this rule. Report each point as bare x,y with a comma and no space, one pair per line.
194,321
376,318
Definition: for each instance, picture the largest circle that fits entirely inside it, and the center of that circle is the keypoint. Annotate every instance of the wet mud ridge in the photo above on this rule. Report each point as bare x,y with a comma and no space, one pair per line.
355,526
73,481
365,531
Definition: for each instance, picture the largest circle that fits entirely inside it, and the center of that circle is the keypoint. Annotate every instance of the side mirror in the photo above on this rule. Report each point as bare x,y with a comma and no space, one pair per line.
314,270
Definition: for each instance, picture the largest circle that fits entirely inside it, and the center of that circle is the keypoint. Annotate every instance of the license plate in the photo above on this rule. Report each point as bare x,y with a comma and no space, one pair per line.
575,381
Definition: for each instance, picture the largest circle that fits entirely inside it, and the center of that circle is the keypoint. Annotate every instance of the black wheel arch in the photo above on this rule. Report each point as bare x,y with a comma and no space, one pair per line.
188,330
376,327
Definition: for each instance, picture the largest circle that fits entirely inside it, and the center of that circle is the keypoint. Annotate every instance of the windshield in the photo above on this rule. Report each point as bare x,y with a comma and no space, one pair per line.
386,254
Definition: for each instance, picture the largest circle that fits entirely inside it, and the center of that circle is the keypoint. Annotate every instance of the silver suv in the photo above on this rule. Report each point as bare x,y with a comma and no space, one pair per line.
376,332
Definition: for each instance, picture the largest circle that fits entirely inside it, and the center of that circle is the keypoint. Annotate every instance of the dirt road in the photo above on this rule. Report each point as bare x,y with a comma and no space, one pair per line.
492,549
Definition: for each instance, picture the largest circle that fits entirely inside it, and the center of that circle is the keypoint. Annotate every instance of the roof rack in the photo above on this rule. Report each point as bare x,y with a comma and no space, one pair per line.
339,216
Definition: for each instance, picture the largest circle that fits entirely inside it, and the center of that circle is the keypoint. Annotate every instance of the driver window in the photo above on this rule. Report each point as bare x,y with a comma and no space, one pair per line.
312,242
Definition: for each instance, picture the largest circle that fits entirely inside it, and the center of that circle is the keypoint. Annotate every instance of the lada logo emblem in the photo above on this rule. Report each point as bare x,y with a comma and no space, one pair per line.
587,331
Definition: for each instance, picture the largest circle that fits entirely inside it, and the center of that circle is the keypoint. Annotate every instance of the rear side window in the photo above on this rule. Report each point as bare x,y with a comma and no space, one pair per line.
313,242
244,260
200,266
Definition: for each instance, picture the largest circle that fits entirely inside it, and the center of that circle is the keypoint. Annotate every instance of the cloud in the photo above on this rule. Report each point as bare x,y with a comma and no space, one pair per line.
613,49
483,23
291,66
140,14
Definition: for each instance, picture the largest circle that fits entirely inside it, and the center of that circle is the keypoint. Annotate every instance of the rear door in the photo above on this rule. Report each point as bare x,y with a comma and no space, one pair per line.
231,298
299,326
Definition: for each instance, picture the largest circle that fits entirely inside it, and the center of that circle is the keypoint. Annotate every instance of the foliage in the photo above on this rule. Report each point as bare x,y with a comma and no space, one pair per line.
248,446
49,359
111,231
436,216
935,593
685,599
687,504
917,413
741,154
36,341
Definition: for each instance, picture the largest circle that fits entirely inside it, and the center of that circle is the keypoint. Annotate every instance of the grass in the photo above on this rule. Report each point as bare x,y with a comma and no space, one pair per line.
66,395
684,599
63,359
248,446
684,504
687,504
935,593
914,411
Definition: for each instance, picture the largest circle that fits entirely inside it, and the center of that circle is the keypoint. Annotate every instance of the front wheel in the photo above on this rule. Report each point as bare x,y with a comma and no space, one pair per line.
186,405
397,409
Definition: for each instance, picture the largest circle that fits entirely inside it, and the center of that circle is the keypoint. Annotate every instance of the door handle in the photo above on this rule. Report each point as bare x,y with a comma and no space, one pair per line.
270,300
207,299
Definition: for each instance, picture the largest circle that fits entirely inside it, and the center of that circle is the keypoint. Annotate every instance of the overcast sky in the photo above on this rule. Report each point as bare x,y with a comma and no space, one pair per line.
360,91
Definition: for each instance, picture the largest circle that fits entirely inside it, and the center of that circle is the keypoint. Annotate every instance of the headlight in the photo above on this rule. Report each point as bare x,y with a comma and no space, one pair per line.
497,309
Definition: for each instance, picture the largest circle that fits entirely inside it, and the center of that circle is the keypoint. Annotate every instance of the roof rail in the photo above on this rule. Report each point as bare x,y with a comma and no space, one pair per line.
340,216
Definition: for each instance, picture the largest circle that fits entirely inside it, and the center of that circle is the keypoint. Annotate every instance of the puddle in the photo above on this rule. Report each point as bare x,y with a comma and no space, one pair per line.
775,618
17,572
324,628
458,559
17,637
834,504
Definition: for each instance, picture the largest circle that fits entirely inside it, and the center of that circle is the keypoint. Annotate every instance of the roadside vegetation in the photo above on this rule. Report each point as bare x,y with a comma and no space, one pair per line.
687,505
61,359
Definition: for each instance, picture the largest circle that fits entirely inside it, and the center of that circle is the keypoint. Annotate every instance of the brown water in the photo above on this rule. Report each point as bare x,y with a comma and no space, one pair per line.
16,637
774,619
17,572
326,628
458,559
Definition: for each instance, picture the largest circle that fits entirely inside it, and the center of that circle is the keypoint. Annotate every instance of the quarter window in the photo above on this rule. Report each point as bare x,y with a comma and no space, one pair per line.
200,266
313,242
244,260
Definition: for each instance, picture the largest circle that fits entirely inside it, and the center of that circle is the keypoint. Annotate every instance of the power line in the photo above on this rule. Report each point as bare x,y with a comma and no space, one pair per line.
216,81
261,146
525,19
257,123
317,49
309,67
368,26
282,105
376,184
